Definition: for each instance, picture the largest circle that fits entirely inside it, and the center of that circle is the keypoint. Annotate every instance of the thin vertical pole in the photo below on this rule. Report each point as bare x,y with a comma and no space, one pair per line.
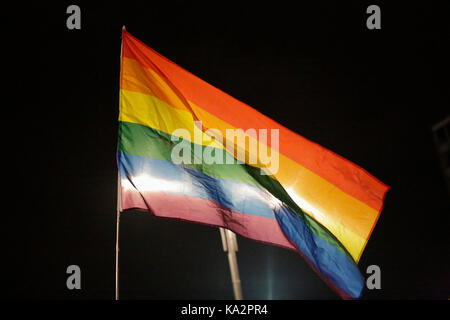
229,244
119,205
117,233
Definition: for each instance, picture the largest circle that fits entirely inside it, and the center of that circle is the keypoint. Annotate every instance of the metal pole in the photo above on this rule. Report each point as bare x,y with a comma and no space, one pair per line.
224,239
119,208
229,243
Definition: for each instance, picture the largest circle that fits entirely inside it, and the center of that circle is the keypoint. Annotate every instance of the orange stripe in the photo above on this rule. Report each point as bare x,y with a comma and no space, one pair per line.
345,175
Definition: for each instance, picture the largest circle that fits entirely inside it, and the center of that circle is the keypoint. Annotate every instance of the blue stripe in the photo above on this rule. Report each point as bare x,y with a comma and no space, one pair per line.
237,196
241,197
331,263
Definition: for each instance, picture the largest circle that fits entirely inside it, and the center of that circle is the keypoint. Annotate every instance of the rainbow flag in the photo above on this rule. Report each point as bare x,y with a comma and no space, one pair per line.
262,181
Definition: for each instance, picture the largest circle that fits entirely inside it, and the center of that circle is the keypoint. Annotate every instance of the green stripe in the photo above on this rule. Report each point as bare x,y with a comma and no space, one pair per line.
140,140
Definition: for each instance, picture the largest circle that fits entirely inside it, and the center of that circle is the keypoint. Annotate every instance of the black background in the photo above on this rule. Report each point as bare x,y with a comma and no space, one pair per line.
313,66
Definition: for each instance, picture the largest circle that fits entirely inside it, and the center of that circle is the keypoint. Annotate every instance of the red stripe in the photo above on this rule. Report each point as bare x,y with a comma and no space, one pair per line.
342,173
206,212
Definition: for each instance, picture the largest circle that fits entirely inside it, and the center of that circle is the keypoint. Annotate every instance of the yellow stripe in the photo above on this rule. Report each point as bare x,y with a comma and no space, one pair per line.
322,200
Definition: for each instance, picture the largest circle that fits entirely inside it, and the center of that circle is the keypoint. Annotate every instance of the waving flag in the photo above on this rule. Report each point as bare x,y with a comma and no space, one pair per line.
264,182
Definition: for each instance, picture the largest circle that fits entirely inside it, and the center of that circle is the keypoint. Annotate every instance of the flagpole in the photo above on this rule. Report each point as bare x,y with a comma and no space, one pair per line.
229,244
118,209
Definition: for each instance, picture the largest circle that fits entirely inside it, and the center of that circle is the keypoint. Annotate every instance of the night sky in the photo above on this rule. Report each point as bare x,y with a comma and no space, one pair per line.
371,96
